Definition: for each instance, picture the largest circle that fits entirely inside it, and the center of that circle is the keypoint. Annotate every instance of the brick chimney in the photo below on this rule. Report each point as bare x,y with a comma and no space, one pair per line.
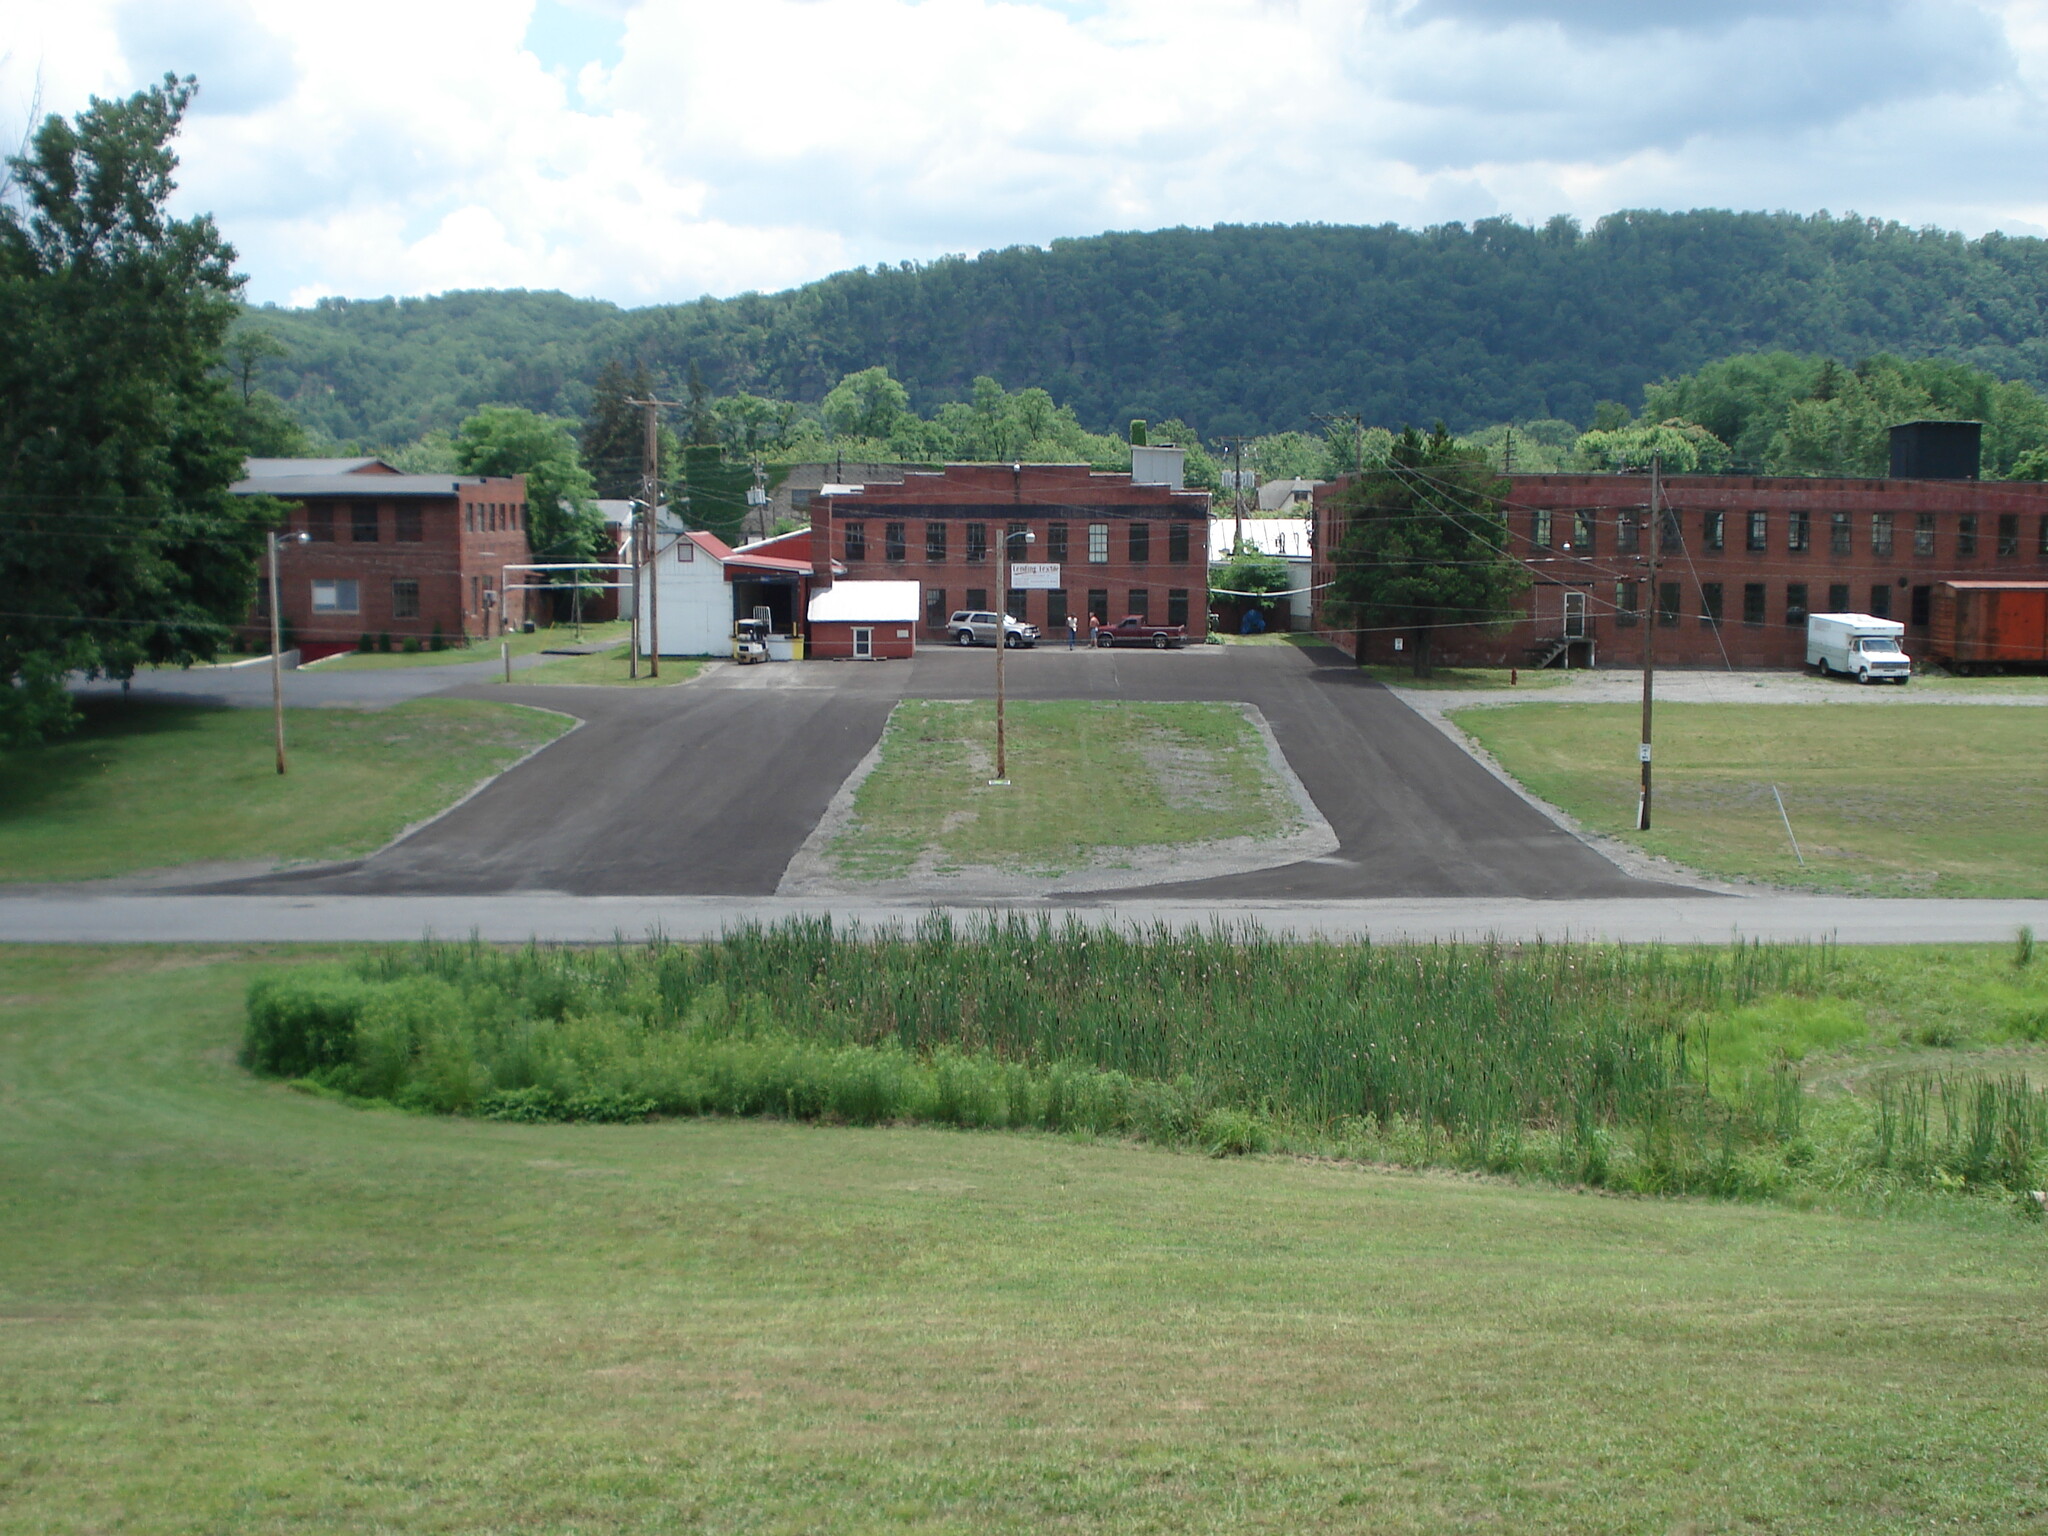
821,542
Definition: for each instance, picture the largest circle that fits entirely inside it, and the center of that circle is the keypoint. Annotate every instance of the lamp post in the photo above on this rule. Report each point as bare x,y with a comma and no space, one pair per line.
277,642
1003,644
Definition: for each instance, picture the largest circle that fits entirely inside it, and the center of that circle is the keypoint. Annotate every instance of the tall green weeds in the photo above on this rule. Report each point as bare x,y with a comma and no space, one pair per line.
1611,1065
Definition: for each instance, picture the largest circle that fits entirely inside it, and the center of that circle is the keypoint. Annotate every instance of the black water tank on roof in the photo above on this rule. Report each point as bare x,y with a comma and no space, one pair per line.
1937,450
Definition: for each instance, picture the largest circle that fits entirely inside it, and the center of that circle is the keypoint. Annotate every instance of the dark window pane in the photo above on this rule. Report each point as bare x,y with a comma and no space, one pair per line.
1667,603
1141,543
1881,600
1752,602
977,599
1177,605
405,599
320,524
856,541
405,525
1759,530
1838,533
1795,602
1838,598
1056,543
977,542
935,543
2008,534
1177,543
362,522
1966,534
1712,525
1710,602
1141,602
1923,533
1017,604
1055,612
1098,605
893,547
1799,531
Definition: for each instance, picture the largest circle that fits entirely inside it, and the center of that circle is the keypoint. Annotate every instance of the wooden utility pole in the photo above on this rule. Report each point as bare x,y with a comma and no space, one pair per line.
276,655
646,556
1651,613
277,644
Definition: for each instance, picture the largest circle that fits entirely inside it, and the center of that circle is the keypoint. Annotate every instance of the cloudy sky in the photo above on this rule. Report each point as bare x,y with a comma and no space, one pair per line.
649,150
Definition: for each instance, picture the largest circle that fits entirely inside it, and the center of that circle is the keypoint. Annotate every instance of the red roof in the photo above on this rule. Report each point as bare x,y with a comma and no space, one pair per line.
711,544
767,563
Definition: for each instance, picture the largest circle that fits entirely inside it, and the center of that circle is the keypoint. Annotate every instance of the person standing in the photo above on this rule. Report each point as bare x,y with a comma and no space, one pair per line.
1073,630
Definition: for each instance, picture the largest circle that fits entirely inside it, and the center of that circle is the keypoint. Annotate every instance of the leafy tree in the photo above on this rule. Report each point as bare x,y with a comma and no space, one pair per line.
563,522
120,543
717,488
1424,545
1685,448
868,404
1250,571
614,434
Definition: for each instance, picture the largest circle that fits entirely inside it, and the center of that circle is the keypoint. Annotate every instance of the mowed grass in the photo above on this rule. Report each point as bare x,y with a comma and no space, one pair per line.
227,1307
610,669
142,785
484,650
1084,776
1949,801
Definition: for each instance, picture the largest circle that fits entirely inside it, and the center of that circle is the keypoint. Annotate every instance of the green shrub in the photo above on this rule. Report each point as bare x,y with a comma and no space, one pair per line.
303,1023
365,644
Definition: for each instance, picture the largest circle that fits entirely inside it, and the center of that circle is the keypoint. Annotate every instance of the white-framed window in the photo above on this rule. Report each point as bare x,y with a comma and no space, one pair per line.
335,597
1098,543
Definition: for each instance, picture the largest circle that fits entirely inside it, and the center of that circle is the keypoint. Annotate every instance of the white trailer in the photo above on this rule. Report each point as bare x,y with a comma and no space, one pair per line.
1857,645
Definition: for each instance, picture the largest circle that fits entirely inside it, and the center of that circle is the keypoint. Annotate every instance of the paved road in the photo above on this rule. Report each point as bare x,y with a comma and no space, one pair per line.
707,786
710,787
287,918
1414,814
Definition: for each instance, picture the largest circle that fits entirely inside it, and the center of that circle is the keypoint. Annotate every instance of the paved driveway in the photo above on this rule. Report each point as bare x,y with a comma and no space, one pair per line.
710,787
1414,815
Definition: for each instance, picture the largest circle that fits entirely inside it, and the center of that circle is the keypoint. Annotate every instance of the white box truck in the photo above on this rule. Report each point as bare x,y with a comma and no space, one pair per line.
1857,645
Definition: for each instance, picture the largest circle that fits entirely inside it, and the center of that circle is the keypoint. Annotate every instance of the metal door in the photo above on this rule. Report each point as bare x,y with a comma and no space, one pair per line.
1575,615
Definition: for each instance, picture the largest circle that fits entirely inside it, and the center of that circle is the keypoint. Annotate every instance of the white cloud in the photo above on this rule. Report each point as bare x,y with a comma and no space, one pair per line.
666,148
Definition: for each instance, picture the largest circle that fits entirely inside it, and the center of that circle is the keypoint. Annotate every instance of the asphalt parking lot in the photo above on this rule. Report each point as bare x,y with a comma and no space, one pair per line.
710,787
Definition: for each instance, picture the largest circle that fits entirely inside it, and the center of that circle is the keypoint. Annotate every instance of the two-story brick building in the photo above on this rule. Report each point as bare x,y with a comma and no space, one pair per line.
1729,568
1122,545
409,556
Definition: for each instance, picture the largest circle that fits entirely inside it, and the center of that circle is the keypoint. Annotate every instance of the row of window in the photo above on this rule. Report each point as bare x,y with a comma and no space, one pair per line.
345,595
364,523
1052,617
1053,547
494,516
1578,533
1672,602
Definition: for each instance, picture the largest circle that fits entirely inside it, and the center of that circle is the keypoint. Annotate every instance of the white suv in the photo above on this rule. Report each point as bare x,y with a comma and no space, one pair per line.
974,626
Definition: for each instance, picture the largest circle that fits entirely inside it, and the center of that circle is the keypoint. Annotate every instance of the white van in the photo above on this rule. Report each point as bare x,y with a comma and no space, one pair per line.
1857,645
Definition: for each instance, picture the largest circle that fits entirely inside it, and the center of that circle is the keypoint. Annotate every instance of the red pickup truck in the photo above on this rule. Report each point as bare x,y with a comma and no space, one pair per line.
1132,630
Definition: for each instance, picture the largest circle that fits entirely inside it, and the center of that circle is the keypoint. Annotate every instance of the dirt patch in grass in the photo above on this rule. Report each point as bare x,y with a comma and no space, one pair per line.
1101,796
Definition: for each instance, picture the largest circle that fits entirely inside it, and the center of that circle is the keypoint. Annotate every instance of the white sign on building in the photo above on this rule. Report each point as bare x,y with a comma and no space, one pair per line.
1034,578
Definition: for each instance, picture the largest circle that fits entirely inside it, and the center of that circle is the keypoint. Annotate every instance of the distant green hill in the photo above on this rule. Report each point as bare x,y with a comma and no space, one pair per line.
1234,329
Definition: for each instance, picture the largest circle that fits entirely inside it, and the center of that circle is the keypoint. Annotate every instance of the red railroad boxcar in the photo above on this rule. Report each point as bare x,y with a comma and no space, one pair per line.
1989,623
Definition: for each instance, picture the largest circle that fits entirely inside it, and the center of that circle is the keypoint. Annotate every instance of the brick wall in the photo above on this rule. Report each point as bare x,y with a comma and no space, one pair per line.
436,555
1769,550
1122,548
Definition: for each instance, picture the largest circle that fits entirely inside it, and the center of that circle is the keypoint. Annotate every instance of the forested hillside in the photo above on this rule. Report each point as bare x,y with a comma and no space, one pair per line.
1235,329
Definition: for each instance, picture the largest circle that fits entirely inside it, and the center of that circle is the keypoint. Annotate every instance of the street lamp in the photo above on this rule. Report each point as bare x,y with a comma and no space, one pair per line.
277,641
1003,644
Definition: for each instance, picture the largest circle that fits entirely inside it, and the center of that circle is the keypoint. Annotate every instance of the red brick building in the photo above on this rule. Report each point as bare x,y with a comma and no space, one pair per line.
1121,546
1739,561
407,556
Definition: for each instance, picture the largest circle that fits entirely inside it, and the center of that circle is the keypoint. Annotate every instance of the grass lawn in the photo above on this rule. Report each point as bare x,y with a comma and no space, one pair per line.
608,669
232,1308
483,650
1084,776
142,785
1944,802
